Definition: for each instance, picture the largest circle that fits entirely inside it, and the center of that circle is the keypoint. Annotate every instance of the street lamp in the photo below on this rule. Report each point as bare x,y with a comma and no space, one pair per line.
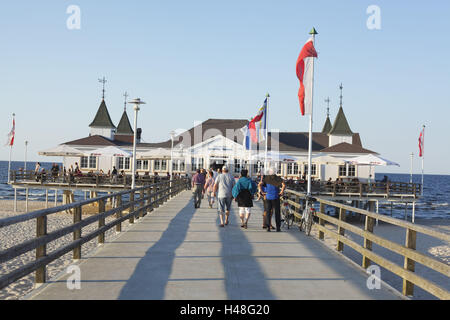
172,136
25,166
136,103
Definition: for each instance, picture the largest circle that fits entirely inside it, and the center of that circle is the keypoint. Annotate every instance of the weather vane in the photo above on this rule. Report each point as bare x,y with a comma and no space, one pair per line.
327,100
341,87
125,103
103,81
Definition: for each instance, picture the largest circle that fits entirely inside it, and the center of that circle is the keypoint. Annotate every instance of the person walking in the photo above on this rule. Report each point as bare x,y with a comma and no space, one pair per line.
274,189
198,180
209,188
223,188
243,192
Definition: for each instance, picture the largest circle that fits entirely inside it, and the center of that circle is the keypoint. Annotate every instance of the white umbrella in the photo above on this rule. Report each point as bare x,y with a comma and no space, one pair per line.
273,157
160,153
62,150
371,160
321,158
110,151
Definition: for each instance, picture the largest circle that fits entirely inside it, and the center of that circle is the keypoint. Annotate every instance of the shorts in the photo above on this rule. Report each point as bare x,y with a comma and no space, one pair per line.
244,210
224,204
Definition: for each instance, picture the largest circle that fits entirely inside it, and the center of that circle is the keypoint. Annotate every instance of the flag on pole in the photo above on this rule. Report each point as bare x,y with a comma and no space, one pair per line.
11,135
421,143
261,126
253,124
304,70
246,133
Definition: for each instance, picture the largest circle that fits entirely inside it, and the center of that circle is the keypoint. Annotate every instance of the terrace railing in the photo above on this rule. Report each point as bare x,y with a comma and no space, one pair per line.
408,250
360,189
141,201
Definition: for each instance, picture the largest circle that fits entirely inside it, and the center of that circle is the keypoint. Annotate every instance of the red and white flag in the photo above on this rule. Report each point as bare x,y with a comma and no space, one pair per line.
11,135
305,75
421,142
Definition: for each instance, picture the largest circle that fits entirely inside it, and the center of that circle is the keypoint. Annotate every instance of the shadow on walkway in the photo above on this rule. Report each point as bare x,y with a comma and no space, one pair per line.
244,278
150,278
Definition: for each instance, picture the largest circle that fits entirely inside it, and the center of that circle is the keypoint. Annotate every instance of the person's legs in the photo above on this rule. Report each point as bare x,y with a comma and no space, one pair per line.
221,209
247,216
269,214
242,215
277,214
228,208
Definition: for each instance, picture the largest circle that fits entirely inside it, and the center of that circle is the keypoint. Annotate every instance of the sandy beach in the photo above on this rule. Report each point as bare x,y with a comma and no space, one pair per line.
15,234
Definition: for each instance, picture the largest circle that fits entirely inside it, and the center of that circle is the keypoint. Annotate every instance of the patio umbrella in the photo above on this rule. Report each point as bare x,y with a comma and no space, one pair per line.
160,153
62,150
110,151
371,160
322,158
273,157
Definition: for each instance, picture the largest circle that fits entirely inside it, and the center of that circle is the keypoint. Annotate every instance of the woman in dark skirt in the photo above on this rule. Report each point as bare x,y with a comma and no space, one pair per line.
243,192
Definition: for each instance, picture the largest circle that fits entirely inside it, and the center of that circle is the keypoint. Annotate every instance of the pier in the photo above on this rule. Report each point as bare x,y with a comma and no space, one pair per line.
173,251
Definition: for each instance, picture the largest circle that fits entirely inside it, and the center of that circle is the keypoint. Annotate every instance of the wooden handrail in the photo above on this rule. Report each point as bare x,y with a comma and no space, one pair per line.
408,251
150,195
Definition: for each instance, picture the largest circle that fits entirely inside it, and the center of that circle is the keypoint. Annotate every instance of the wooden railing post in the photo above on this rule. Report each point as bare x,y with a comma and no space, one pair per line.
131,220
41,230
101,221
77,215
410,242
150,199
142,204
341,231
119,213
369,224
321,221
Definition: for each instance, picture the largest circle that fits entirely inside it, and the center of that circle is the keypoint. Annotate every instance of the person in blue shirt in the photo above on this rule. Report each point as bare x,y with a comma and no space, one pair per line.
273,189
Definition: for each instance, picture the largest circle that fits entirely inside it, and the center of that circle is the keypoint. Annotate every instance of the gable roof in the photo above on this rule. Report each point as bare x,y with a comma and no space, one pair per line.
345,147
102,118
124,126
340,125
95,140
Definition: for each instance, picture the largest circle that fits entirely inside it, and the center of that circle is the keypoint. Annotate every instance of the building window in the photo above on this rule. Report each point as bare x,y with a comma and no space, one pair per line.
197,163
351,171
142,165
124,163
182,166
342,171
295,169
313,169
163,165
278,167
237,165
292,169
157,165
88,162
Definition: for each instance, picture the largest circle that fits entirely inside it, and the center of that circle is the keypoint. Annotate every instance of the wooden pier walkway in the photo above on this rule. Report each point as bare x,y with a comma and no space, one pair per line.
178,252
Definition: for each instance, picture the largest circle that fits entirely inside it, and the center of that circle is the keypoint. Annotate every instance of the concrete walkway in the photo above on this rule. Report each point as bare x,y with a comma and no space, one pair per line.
178,252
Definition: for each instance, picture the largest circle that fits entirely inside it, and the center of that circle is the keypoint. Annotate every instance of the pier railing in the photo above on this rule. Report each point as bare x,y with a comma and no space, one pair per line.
80,179
360,189
140,201
408,250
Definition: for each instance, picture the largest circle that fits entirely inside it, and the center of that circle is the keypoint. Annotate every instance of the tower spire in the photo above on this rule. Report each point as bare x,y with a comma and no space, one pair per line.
125,102
327,100
103,81
341,87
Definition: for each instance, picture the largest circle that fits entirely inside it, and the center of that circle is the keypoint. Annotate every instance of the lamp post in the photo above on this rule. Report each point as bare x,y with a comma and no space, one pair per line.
25,165
172,136
137,102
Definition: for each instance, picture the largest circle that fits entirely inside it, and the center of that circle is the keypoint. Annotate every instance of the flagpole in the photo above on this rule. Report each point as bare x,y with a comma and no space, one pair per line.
267,131
423,154
313,34
10,149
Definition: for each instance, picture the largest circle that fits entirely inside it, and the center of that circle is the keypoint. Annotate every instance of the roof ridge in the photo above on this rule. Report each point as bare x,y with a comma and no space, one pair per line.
102,118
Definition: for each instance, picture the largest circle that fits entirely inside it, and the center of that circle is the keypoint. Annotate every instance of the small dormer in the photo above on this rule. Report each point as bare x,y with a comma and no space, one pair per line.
102,124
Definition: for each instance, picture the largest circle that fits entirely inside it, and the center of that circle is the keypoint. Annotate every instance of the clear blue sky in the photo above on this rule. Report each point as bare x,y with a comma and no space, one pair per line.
194,60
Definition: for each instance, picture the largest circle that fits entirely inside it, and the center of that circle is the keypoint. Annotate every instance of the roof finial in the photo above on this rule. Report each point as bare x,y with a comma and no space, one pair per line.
327,100
341,87
125,103
103,81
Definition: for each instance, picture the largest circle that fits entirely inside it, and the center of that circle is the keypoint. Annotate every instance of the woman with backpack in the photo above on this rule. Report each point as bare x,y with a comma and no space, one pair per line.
243,192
